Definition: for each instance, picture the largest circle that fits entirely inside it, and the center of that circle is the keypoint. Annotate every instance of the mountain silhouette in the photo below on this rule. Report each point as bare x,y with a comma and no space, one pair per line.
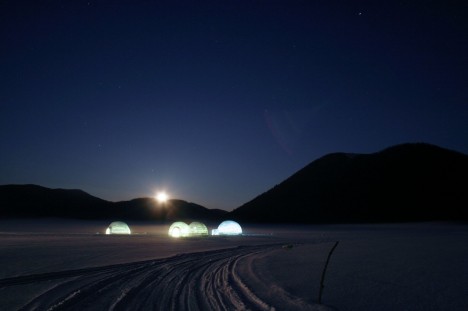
409,182
32,201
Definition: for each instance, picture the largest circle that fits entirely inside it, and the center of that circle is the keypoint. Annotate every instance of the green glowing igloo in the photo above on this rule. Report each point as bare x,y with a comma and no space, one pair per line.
118,227
179,229
197,229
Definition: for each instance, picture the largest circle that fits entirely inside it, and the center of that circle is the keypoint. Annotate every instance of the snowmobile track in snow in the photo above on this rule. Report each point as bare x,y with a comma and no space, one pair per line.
196,281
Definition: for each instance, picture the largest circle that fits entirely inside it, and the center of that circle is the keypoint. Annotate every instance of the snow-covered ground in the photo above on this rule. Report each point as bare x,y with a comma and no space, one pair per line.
66,265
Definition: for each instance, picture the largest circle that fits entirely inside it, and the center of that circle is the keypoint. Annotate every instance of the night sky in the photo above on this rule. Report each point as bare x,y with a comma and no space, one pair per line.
218,101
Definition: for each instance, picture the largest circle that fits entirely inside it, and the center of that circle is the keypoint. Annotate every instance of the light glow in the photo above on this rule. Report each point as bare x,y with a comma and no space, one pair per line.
179,229
198,229
118,227
162,197
176,232
227,227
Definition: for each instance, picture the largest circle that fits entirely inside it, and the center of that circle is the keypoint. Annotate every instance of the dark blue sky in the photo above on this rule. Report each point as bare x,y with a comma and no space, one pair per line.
217,101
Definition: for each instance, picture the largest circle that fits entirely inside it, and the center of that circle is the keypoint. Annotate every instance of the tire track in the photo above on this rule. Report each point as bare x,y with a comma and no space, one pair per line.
196,281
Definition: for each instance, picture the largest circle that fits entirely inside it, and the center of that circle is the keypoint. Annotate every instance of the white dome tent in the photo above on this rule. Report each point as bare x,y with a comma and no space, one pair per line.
118,227
179,229
228,227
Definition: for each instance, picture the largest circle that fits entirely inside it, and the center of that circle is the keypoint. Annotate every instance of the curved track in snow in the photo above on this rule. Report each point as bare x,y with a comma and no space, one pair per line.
196,281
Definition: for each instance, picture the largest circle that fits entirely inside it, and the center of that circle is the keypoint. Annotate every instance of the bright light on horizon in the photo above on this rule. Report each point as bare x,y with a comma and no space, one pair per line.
162,197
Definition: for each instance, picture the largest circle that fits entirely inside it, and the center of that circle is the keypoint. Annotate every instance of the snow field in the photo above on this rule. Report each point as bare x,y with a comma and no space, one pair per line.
375,267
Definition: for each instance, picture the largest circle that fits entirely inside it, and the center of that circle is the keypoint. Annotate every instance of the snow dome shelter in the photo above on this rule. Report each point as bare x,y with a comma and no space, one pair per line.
197,229
228,227
179,229
118,227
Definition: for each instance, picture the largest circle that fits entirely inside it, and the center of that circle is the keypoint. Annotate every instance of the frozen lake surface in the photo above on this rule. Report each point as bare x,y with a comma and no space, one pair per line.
66,265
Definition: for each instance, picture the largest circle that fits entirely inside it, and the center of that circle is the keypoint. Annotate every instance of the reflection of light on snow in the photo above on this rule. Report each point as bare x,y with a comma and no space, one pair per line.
214,232
228,227
118,227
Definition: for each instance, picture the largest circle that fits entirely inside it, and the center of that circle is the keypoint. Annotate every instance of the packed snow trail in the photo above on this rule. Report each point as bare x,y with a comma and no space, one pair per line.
196,281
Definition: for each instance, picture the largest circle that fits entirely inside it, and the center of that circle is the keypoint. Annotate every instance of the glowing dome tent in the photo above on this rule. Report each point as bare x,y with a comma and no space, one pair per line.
179,229
228,227
118,227
197,228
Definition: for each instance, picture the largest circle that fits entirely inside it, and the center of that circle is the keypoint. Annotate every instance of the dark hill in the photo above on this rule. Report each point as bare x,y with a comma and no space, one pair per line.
36,201
410,182
31,201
